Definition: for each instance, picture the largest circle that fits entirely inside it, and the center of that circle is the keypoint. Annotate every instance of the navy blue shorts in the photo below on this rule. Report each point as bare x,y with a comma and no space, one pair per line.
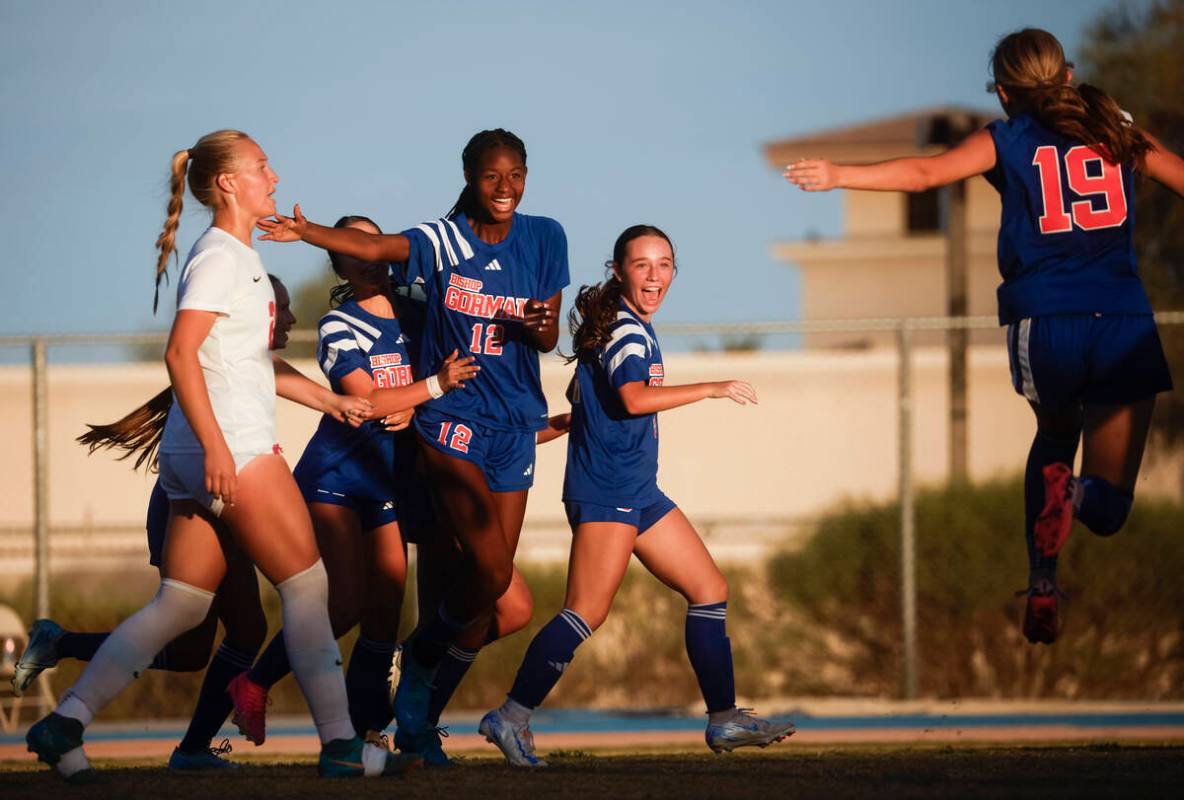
362,484
641,517
1093,359
506,457
157,523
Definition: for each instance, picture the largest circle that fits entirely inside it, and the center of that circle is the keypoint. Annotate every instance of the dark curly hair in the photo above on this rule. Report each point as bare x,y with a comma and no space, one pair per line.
343,291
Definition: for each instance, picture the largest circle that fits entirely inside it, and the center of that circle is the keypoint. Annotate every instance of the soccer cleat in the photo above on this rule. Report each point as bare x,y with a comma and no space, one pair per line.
515,741
412,696
745,729
250,708
353,758
57,741
1042,613
427,744
1052,526
206,760
40,654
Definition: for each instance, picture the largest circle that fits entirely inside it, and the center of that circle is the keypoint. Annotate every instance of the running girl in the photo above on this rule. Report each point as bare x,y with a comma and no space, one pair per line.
219,459
616,509
1084,348
493,280
236,603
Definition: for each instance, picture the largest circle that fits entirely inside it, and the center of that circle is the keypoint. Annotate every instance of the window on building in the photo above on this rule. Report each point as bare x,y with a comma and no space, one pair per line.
924,211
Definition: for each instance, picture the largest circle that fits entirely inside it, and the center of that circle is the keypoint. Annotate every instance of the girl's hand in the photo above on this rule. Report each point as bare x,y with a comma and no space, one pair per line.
738,391
812,174
538,316
456,371
221,474
398,421
348,409
560,422
284,229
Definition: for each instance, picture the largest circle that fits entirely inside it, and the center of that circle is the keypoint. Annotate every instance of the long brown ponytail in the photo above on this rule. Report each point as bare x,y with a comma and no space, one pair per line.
1031,68
212,156
138,433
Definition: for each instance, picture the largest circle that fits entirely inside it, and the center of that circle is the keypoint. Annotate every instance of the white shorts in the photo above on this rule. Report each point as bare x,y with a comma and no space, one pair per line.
183,477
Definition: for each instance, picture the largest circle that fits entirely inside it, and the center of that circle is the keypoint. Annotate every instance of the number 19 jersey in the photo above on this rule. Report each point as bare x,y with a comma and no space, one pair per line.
1065,237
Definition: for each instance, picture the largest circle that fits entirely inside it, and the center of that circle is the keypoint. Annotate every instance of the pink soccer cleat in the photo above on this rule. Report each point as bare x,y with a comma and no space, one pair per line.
250,708
1052,526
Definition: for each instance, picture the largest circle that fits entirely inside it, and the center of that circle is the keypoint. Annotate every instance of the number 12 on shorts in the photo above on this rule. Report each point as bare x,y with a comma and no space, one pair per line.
461,435
493,339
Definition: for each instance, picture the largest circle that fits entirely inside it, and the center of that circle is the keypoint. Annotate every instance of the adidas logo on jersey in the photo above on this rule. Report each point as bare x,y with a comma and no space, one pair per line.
528,471
494,265
388,506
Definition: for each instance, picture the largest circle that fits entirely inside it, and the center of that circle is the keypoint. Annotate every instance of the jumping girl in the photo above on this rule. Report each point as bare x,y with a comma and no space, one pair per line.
616,509
236,602
1084,348
493,280
219,459
348,479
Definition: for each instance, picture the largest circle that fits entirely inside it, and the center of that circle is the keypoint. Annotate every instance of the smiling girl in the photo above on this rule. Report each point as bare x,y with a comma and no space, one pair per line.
614,505
493,280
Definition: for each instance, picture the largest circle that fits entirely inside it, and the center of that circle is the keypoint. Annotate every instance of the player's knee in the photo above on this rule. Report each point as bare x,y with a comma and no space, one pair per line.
514,610
1104,508
710,590
186,606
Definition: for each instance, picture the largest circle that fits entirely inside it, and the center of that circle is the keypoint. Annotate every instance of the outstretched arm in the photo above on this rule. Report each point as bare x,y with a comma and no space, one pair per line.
390,401
347,241
973,156
640,398
291,384
1164,166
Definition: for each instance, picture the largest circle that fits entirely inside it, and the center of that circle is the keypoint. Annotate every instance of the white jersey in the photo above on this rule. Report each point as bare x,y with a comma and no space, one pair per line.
227,277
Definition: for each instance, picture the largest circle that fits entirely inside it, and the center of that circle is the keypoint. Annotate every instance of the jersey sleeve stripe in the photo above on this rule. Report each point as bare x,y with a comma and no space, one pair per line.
615,361
328,329
622,329
442,230
331,351
365,327
431,234
465,249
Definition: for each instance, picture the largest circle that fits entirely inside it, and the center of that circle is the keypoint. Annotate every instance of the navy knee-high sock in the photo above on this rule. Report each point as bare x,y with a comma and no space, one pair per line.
272,665
1100,505
368,685
83,646
213,704
1045,450
551,650
453,667
710,652
435,636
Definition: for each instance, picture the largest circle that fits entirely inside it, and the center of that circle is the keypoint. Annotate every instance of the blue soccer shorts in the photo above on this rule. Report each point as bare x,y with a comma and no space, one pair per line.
642,517
505,457
1095,359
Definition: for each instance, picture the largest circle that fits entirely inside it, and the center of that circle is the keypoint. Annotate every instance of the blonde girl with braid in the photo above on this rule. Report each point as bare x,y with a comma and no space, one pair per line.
219,461
1084,349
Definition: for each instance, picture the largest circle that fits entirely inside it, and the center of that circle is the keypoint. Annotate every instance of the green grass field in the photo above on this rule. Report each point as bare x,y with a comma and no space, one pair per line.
1045,771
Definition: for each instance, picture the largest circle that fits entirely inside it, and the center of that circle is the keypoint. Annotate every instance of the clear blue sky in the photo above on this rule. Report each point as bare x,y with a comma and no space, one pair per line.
631,112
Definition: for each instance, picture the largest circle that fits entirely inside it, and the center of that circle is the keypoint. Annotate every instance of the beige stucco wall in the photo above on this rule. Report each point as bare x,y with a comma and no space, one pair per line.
825,428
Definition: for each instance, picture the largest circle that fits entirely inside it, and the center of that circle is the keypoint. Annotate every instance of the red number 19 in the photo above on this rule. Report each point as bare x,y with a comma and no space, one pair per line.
1108,184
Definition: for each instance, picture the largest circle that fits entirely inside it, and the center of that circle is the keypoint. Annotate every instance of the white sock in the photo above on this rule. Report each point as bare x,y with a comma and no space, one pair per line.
176,608
515,712
313,653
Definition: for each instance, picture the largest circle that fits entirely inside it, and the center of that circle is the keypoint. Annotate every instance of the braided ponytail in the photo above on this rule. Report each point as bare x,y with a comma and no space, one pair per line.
166,243
213,155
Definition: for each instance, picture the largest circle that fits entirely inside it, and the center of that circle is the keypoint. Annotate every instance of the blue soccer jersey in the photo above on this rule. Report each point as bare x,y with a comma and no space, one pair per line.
476,294
612,455
1065,238
350,338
